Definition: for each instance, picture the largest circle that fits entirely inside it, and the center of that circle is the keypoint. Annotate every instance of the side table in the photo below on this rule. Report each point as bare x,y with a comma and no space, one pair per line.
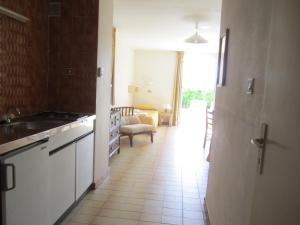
165,118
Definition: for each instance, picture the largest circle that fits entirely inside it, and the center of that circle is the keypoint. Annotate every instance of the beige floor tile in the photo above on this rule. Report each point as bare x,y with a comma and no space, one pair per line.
150,217
92,203
148,223
150,184
191,190
192,207
122,206
153,203
82,218
173,193
173,205
126,222
104,221
71,223
172,212
154,197
191,201
172,199
88,211
190,195
192,214
97,197
119,214
120,194
117,199
135,201
173,188
137,195
193,222
172,220
152,210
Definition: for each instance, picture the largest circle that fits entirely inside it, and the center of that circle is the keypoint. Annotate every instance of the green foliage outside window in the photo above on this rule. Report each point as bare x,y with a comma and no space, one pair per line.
188,95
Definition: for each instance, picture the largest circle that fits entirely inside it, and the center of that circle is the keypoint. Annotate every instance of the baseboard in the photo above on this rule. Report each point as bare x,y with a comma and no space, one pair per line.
207,220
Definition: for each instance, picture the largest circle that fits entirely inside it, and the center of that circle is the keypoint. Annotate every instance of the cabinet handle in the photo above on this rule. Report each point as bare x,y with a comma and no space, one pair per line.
53,152
4,177
35,144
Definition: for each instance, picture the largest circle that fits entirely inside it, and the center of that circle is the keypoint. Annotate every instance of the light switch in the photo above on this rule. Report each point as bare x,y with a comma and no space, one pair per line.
250,86
100,72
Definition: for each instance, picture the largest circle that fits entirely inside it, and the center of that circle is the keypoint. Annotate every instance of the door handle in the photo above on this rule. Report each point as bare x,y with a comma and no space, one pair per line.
260,143
4,184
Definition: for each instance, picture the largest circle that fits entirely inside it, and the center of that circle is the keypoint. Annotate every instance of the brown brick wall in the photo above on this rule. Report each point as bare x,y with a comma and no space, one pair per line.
73,57
35,57
24,57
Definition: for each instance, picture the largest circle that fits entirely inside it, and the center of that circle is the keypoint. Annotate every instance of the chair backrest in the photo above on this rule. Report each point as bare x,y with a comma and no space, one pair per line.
125,111
209,117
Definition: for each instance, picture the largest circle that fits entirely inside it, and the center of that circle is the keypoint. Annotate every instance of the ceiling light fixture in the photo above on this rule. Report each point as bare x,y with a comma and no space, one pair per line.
196,38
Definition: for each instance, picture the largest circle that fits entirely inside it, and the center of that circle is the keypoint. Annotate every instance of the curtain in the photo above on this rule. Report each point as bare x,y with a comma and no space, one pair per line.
176,104
113,66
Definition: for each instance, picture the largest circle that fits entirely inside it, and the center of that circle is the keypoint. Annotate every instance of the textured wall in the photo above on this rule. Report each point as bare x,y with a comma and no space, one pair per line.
73,57
24,57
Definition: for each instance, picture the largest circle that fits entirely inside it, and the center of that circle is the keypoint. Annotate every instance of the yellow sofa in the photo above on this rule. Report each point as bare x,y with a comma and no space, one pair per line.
147,115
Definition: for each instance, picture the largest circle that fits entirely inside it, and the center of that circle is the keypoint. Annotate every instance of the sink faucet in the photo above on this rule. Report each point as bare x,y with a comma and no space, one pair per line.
10,115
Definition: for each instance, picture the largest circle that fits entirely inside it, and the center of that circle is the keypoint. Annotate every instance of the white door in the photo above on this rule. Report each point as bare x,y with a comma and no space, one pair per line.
62,181
27,203
277,193
84,164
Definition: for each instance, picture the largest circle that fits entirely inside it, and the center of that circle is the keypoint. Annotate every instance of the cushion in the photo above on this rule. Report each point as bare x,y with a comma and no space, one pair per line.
127,120
145,107
136,128
139,113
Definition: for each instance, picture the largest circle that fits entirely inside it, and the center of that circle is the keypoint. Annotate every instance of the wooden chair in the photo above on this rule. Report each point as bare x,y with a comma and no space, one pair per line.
208,126
125,111
131,130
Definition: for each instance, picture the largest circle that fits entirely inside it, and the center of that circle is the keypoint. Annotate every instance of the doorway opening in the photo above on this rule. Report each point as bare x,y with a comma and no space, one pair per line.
198,90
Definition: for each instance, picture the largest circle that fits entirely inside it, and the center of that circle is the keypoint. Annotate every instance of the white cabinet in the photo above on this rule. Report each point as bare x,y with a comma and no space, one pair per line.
27,202
61,180
42,182
84,164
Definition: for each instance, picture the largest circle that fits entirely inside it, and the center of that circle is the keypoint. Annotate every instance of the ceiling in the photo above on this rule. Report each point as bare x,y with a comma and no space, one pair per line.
165,24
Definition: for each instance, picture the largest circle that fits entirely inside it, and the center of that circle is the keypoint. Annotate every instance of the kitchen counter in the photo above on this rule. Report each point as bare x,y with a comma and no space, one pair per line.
28,130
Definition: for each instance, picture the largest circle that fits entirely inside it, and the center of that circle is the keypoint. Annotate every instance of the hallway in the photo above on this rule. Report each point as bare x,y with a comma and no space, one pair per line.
162,183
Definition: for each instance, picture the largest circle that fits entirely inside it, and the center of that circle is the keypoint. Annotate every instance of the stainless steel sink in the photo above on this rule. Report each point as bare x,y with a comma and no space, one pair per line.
33,125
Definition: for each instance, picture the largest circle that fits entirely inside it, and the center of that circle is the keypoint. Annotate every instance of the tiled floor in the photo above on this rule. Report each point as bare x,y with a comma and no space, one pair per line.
162,183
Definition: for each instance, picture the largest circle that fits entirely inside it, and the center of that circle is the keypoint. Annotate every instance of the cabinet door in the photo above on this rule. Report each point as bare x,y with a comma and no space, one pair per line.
84,164
27,203
62,181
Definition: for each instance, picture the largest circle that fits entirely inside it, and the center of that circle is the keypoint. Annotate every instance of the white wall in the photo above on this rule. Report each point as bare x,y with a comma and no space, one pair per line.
101,169
124,72
237,115
154,75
